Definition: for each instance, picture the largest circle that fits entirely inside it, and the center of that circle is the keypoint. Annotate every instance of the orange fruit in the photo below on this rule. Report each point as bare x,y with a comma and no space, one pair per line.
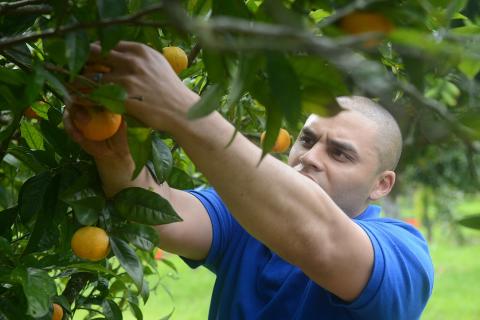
158,254
363,22
30,113
57,312
101,125
282,143
91,243
96,68
176,57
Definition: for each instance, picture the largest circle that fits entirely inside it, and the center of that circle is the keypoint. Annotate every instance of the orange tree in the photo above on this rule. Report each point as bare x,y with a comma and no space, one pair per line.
262,64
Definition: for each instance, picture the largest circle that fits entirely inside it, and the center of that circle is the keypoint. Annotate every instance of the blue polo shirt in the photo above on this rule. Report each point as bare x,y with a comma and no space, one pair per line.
254,283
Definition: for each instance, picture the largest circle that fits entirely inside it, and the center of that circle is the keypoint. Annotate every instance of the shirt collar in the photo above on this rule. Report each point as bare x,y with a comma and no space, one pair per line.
372,211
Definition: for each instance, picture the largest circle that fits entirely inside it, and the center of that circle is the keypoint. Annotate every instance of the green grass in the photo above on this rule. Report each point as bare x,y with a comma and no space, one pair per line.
456,290
190,292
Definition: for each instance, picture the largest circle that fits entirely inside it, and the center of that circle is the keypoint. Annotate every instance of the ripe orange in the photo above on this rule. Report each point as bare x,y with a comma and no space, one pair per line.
363,22
158,254
101,125
57,312
282,143
96,68
176,57
91,243
30,113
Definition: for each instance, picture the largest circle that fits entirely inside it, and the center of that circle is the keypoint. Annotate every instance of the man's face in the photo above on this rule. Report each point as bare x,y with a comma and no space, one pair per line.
339,154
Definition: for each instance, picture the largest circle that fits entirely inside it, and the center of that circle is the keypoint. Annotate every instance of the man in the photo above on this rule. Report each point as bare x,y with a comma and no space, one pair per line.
297,241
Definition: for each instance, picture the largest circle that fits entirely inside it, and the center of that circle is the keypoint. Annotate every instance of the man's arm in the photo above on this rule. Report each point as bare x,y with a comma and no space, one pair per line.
286,211
190,238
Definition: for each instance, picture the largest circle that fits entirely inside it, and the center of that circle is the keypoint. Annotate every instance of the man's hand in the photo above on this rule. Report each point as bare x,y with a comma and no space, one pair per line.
157,97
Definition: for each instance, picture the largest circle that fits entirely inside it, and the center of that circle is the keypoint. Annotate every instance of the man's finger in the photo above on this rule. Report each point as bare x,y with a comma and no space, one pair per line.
70,127
112,59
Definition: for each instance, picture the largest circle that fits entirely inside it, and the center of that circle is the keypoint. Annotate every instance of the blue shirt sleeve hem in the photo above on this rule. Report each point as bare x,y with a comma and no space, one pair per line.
210,208
375,280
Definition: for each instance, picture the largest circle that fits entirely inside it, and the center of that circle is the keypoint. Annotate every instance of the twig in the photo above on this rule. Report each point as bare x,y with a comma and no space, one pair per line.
194,53
75,285
51,32
30,9
8,6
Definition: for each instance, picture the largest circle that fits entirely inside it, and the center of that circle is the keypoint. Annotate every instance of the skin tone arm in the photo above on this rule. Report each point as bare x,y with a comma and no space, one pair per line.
286,211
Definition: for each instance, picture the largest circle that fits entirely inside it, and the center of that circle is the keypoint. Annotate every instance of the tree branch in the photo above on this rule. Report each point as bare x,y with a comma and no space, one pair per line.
49,33
8,6
30,9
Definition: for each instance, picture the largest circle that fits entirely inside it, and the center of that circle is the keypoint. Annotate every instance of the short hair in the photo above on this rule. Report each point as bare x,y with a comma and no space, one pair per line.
389,142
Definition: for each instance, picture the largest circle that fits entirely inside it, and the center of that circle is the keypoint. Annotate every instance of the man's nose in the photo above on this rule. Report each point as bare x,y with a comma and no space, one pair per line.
314,158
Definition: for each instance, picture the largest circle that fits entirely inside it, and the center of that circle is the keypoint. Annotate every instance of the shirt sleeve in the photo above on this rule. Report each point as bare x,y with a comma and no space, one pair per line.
402,276
222,228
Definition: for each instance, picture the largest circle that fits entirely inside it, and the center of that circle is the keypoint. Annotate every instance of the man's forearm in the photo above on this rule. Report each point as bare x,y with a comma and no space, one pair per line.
272,201
117,175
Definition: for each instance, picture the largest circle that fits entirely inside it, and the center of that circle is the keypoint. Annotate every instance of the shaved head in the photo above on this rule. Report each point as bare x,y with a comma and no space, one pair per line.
389,137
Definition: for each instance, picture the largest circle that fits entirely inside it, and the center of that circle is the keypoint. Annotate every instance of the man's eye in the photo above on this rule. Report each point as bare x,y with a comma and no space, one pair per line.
306,140
340,155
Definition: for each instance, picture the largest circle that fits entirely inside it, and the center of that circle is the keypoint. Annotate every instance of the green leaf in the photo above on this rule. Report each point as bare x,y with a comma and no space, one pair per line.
14,77
128,260
320,82
55,84
215,65
284,87
140,144
45,233
111,310
8,100
209,102
111,35
111,96
179,179
32,135
161,158
92,267
141,236
234,8
31,195
274,122
469,67
38,288
34,85
55,49
137,312
26,156
7,218
6,250
247,68
472,221
144,206
55,137
77,49
87,202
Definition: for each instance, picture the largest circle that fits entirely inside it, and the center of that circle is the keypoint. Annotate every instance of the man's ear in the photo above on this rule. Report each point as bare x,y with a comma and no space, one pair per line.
383,185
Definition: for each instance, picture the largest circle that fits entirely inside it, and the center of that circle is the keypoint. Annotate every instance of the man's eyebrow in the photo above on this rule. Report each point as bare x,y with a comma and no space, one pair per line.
308,131
345,146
